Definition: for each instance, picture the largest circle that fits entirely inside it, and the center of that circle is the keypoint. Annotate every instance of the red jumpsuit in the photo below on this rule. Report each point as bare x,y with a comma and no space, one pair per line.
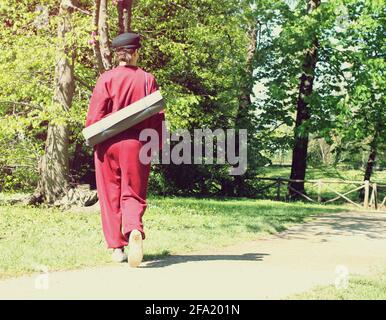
120,176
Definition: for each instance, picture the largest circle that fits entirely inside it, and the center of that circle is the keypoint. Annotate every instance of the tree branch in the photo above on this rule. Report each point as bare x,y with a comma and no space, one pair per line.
68,4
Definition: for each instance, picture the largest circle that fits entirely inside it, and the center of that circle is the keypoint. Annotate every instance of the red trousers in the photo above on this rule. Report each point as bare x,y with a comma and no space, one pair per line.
122,185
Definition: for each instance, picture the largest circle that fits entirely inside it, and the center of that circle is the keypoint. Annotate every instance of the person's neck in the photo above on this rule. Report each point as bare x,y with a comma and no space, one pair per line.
124,64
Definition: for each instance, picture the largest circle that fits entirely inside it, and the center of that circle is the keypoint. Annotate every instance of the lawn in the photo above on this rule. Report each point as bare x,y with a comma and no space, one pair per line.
359,288
33,237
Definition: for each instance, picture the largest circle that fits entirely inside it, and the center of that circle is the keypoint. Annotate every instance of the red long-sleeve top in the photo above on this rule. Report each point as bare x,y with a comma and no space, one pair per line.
118,88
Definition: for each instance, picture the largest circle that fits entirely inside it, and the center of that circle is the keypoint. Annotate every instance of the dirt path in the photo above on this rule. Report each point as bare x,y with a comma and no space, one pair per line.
274,267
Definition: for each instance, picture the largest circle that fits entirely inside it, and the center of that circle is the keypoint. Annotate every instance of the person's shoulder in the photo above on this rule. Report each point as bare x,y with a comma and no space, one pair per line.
148,74
104,76
108,74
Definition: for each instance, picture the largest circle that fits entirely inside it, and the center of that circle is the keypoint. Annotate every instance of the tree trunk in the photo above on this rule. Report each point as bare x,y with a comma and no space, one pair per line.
54,168
103,32
243,113
124,15
299,151
371,161
373,148
370,164
247,85
96,44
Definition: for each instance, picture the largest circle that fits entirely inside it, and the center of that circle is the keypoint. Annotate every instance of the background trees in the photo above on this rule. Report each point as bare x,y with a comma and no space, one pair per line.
293,73
314,61
362,122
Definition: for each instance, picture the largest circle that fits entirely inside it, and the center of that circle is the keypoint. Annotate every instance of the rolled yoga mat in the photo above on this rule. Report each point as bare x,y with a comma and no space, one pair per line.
124,119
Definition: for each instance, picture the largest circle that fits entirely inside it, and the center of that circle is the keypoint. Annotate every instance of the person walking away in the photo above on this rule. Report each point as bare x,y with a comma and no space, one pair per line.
121,178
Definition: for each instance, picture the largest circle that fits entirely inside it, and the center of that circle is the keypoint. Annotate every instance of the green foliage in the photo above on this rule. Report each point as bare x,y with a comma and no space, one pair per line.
26,61
198,53
195,50
347,104
362,118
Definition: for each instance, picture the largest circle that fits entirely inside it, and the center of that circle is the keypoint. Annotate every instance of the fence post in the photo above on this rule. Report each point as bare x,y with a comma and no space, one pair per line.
375,196
367,191
371,199
319,191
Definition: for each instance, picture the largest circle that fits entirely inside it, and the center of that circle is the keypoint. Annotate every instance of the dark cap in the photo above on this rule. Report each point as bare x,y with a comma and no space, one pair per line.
127,40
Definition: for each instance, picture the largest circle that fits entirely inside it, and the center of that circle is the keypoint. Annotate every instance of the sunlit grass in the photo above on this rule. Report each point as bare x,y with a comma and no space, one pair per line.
359,288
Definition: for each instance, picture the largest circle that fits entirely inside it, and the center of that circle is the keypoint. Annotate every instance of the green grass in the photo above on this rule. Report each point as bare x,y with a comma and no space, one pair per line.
33,237
359,288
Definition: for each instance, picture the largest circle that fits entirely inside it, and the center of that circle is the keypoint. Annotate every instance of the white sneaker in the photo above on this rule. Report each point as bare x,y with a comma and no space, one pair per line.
135,249
119,255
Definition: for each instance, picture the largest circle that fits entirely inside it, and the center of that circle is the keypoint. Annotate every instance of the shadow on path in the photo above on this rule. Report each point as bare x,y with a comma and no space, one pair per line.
368,225
175,259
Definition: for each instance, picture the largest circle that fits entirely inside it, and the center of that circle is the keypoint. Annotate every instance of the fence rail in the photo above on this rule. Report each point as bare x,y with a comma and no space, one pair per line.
370,198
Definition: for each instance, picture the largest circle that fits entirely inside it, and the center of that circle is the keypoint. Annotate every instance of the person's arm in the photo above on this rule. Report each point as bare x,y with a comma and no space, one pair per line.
153,86
99,102
158,120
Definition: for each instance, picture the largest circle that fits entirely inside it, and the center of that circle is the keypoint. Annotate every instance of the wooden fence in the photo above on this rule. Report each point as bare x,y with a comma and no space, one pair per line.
370,200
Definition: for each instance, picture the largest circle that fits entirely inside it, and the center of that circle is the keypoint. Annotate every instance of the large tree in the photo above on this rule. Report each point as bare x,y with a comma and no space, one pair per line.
303,71
54,167
300,146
